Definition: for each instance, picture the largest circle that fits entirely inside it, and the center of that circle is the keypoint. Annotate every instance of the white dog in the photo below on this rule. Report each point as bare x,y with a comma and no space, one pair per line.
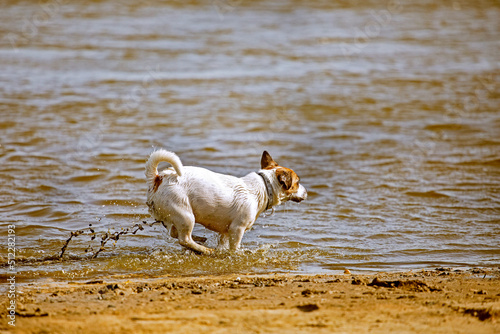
182,196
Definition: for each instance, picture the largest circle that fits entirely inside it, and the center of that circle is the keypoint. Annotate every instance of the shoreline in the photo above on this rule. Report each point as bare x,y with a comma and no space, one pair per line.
425,301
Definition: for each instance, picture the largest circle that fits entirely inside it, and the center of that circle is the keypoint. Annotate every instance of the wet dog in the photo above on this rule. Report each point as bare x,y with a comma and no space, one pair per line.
181,196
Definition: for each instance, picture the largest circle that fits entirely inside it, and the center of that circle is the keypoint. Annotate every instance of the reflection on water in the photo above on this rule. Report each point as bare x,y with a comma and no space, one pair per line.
388,113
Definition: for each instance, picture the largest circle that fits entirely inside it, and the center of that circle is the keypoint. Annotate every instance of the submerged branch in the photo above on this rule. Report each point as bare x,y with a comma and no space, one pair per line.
106,236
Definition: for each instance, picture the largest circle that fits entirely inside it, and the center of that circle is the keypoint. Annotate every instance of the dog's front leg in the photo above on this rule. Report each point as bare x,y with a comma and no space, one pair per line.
236,231
223,241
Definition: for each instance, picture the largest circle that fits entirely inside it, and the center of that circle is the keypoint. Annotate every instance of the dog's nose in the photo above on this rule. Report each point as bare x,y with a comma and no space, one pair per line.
302,192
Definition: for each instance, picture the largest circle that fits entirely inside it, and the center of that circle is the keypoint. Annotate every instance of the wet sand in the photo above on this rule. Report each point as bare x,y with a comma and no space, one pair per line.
438,301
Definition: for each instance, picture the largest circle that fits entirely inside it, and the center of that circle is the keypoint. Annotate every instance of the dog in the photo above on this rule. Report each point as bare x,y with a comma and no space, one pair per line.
181,196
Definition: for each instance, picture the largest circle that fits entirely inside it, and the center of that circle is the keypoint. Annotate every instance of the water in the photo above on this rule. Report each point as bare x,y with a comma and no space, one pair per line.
389,114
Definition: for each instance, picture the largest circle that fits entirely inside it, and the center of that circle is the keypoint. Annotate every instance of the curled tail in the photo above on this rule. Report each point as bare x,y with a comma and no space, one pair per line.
158,156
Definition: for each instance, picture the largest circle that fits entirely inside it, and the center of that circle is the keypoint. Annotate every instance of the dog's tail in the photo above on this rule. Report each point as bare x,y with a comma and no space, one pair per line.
158,156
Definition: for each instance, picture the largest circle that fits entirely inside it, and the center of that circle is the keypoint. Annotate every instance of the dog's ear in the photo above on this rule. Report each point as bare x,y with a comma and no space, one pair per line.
285,178
266,162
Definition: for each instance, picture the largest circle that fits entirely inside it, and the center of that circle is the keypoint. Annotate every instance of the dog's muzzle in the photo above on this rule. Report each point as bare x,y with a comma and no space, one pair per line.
300,195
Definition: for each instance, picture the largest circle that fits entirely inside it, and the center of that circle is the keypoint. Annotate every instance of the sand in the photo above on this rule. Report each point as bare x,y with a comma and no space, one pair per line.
436,301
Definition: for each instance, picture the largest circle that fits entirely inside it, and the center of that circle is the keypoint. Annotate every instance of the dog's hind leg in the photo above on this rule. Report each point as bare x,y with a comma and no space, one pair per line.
175,234
173,230
184,224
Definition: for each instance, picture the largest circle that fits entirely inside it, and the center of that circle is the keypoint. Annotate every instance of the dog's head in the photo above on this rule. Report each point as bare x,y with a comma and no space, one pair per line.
287,178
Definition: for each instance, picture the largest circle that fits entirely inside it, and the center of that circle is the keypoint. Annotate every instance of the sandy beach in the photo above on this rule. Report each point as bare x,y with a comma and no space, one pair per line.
426,301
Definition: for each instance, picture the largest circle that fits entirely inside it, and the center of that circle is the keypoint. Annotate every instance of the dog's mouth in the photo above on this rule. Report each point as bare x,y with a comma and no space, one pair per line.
298,197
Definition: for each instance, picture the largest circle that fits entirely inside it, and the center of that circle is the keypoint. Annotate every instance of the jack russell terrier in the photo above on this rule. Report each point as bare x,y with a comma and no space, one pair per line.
181,196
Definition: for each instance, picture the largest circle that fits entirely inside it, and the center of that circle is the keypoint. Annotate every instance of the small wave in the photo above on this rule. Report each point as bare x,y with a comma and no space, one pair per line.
381,236
320,186
382,266
122,202
38,189
210,149
296,244
86,178
128,216
430,193
31,260
448,126
37,211
486,162
386,162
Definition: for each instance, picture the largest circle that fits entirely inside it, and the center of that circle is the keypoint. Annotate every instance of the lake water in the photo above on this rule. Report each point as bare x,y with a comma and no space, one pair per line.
388,111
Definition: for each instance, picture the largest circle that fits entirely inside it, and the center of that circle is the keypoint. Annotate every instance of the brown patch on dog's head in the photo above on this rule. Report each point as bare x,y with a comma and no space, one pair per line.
288,179
267,162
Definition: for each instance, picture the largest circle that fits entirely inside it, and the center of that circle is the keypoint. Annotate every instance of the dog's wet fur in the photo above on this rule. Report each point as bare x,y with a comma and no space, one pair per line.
181,196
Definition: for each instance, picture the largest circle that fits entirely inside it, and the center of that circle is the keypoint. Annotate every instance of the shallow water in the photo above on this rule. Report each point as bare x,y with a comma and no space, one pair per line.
389,114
